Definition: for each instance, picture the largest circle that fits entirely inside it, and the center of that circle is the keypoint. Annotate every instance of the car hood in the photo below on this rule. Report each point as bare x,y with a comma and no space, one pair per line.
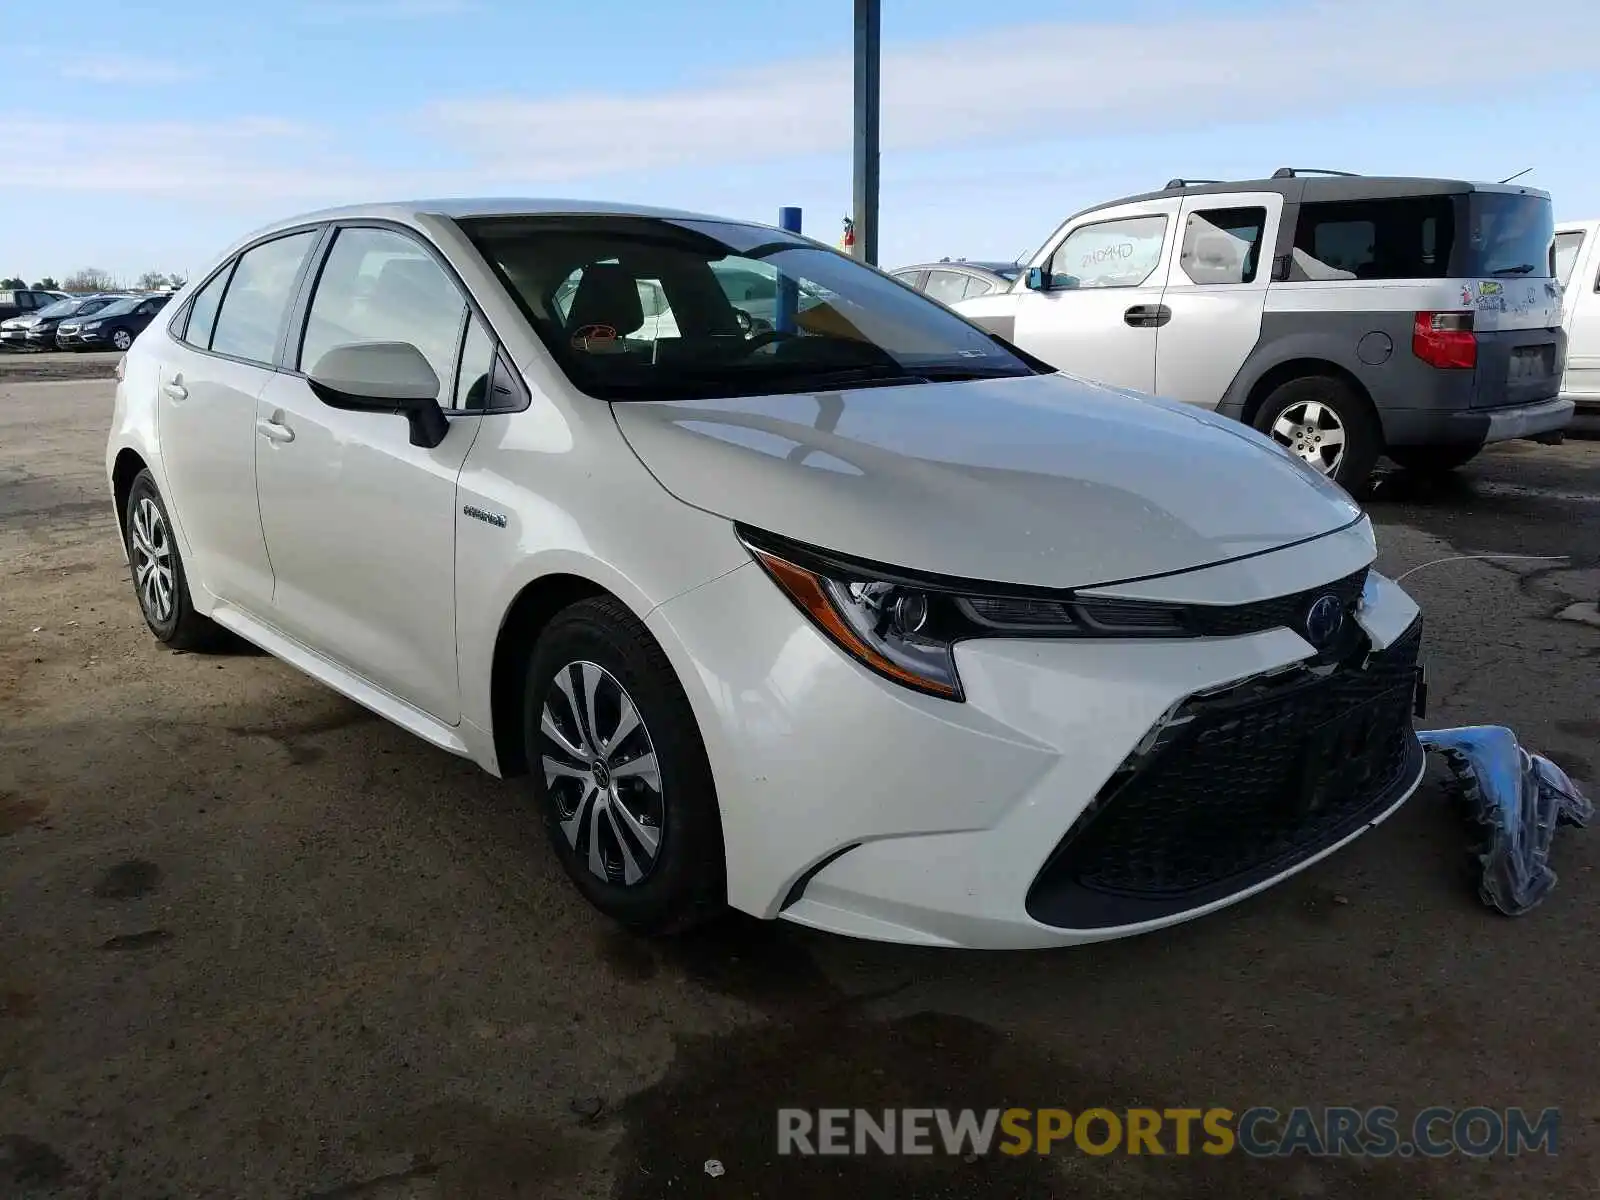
1045,480
19,322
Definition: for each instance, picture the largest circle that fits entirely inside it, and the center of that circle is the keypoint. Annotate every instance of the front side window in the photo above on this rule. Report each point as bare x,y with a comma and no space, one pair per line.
1109,254
1223,245
256,304
381,286
578,280
1567,247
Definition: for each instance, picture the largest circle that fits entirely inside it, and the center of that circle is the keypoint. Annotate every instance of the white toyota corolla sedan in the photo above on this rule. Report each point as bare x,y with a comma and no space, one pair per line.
798,593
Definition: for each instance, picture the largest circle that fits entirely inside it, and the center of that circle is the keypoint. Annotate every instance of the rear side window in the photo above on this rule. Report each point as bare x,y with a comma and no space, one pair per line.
381,286
946,286
1406,238
256,304
1109,253
1223,245
1567,247
203,310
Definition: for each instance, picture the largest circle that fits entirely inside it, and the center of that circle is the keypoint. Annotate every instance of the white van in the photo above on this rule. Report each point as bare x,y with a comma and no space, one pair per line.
1345,316
1578,269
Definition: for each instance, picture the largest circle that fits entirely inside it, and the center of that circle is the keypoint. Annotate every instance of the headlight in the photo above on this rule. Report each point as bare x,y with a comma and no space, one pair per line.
905,627
92,325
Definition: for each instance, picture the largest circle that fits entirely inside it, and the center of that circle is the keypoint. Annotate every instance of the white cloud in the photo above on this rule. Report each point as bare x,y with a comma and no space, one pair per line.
1059,80
118,70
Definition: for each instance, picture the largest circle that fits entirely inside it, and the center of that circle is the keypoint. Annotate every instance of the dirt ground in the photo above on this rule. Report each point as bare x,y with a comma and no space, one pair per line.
256,942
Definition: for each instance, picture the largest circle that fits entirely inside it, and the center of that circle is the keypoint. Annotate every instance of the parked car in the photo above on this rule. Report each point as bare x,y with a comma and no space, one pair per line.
877,625
1345,316
111,328
21,302
1578,269
948,281
38,331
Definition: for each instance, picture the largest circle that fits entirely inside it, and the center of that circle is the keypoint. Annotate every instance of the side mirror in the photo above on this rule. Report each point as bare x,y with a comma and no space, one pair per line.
383,377
1037,279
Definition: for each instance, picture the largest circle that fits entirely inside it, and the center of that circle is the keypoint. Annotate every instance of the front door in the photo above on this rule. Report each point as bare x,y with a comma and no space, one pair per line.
1099,314
1216,292
359,523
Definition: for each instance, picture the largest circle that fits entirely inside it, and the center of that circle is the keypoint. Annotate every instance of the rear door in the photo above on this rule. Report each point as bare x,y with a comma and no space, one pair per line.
1100,311
226,343
1215,294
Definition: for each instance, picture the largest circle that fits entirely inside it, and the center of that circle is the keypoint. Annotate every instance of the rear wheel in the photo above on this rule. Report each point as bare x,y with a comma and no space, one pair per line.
159,579
1432,460
1325,423
620,771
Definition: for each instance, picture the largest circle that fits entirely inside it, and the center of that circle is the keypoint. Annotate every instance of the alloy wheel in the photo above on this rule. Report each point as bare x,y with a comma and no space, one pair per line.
1312,431
601,772
122,339
152,561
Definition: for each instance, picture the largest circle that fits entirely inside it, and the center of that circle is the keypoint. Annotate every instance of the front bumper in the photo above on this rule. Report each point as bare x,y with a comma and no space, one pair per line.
80,339
853,805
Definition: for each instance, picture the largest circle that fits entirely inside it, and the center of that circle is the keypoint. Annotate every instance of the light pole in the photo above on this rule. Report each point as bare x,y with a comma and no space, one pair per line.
866,131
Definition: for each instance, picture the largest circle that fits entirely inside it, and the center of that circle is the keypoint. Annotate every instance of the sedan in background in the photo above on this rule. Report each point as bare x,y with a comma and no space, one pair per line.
112,328
948,281
37,331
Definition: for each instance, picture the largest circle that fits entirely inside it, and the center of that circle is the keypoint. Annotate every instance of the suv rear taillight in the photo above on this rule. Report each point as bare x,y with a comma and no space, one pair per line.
1445,339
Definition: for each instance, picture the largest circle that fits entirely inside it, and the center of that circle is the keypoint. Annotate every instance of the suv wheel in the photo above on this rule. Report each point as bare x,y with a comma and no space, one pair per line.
620,771
1324,422
1432,460
159,579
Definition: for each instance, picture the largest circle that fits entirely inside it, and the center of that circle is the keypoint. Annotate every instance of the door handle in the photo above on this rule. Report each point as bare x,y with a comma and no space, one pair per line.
1147,316
174,388
274,431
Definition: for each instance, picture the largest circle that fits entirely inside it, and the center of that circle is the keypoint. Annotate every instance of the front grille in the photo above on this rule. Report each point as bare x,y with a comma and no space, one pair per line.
1289,611
1238,787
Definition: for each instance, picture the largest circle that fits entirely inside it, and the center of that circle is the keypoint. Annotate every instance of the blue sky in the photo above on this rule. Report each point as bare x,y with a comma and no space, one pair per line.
155,133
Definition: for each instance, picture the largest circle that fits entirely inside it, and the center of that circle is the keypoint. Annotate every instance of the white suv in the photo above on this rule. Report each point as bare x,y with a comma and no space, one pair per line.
1346,316
864,619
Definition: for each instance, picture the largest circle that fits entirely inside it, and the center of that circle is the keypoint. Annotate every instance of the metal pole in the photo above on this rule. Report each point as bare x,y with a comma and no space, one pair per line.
788,303
866,130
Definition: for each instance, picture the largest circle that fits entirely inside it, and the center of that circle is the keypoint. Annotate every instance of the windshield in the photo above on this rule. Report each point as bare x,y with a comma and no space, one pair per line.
60,308
1510,235
1567,247
113,308
639,308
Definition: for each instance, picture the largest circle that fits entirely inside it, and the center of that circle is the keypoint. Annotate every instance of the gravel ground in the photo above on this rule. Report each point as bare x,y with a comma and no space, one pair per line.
255,942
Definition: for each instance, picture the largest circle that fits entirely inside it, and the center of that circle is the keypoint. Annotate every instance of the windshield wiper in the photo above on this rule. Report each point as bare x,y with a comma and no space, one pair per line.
1519,269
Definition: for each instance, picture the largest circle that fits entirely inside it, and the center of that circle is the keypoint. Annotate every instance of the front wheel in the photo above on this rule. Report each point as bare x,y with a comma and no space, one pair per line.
121,339
1432,460
621,772
1326,424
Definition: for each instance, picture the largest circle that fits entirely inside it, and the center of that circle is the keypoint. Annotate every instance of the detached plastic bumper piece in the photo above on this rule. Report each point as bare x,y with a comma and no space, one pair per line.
1517,799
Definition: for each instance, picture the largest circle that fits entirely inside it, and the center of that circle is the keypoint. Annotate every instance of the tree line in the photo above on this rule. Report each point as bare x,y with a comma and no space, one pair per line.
93,279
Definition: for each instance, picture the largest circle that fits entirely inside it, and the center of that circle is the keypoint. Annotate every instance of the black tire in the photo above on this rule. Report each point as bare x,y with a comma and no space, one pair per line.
178,625
685,884
1362,433
1433,460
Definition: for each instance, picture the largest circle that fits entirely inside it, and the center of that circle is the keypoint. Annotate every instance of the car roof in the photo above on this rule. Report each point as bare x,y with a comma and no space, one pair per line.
963,264
457,208
1317,187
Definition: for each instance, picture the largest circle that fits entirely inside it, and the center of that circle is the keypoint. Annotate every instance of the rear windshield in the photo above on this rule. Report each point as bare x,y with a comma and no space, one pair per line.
1509,235
1465,235
636,308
